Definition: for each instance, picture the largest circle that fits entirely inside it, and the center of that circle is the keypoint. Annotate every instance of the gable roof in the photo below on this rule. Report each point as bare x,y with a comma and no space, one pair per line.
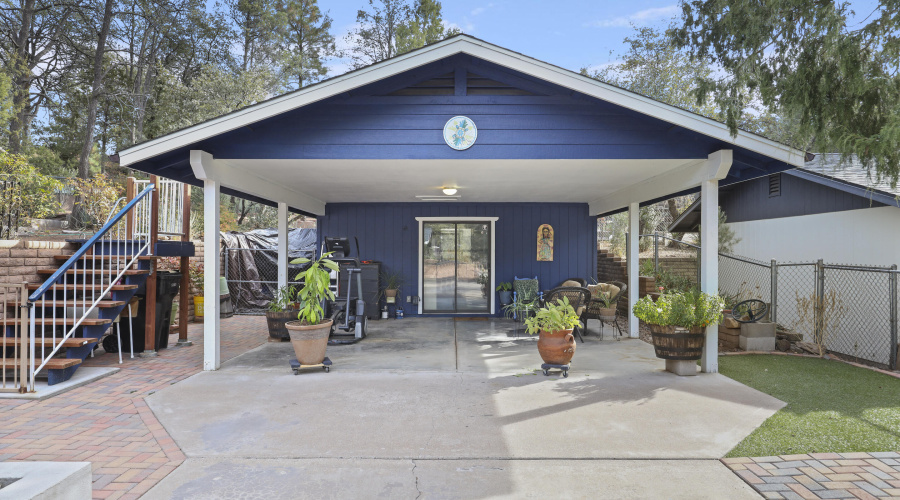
440,50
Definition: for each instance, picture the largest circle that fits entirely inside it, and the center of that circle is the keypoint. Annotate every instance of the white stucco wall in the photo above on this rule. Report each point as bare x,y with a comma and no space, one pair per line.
858,237
869,236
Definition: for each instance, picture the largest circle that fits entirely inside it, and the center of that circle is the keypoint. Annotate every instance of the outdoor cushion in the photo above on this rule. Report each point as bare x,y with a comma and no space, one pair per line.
570,283
613,290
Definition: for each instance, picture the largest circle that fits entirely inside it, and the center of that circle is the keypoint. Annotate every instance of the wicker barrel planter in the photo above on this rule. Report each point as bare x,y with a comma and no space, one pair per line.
278,332
676,343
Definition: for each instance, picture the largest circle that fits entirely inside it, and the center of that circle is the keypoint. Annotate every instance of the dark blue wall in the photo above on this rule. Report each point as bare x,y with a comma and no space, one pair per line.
746,201
389,232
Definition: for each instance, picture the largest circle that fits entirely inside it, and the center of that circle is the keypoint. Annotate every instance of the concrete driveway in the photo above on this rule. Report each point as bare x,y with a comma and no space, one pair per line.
437,408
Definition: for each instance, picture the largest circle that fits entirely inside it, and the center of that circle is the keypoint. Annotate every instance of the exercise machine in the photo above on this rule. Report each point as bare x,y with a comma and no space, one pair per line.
348,311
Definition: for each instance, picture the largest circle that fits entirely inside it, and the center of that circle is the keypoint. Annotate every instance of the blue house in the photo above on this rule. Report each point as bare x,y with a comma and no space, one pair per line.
460,147
824,210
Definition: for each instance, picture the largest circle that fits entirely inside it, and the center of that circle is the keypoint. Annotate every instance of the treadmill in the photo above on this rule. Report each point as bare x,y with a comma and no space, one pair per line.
348,311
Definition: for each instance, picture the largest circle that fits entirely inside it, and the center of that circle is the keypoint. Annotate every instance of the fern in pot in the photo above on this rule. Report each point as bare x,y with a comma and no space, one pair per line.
554,323
309,334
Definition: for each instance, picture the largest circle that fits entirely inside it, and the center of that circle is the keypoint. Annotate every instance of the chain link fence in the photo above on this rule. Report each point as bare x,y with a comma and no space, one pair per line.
252,277
851,309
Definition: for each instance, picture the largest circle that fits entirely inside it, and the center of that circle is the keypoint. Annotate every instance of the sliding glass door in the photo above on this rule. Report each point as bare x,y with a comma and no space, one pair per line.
456,267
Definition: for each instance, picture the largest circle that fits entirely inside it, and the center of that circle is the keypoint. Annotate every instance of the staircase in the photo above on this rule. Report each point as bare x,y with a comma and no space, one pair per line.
49,328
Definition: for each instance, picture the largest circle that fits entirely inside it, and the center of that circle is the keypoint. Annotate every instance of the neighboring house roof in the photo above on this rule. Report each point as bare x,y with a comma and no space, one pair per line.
445,48
826,169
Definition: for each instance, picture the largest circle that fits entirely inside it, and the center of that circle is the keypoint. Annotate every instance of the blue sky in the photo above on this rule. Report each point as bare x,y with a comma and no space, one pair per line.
569,33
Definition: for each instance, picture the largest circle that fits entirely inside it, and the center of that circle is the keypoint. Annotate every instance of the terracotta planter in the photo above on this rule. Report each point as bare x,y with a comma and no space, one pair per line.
679,344
309,341
276,321
556,347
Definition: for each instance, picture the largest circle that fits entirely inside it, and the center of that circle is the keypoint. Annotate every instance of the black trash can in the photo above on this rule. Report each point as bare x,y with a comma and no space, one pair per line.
167,286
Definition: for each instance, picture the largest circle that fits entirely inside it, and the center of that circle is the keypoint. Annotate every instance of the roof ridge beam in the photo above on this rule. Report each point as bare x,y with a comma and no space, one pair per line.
206,167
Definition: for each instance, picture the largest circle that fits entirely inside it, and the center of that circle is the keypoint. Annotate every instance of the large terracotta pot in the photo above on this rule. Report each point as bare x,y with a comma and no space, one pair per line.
276,321
309,341
556,347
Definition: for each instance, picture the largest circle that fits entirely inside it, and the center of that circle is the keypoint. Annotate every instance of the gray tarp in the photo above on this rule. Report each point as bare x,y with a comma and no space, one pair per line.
253,274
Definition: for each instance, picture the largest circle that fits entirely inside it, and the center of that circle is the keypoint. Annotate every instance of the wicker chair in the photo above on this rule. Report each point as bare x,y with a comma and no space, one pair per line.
592,311
578,297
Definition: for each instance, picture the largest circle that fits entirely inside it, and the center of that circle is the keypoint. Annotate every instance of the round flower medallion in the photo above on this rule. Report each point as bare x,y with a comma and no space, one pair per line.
460,133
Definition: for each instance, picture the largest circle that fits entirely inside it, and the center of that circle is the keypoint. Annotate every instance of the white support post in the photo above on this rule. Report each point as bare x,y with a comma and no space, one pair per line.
211,272
709,266
282,244
634,237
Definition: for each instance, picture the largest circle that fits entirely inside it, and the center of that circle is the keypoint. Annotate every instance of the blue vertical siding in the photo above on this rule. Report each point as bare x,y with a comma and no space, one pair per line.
389,232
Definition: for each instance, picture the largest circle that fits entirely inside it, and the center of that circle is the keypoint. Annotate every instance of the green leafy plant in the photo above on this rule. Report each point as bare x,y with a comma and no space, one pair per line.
504,287
390,281
693,309
195,270
606,299
552,317
283,299
316,280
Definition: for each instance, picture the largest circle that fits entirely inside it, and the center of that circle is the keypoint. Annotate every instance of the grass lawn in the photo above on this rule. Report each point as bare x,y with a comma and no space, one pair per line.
831,406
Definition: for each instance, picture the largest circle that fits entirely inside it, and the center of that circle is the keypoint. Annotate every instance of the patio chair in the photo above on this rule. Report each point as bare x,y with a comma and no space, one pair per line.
592,311
525,299
578,297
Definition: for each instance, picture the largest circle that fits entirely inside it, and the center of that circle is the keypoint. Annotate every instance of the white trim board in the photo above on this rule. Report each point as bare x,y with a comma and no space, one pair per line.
440,50
492,220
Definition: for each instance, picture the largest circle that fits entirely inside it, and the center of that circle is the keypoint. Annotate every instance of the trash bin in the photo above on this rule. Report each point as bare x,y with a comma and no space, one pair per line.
167,286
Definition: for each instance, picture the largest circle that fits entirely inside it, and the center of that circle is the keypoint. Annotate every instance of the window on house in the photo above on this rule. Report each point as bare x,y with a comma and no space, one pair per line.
774,185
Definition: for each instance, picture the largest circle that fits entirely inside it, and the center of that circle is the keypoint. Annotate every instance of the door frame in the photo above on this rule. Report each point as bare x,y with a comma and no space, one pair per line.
419,243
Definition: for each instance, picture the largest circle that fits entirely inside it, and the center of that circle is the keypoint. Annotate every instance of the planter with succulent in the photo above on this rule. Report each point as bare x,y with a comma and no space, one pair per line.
390,286
505,291
197,281
678,323
309,334
281,310
554,323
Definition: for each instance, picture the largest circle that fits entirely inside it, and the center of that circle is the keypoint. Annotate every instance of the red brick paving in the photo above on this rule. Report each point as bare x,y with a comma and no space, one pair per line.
821,475
108,423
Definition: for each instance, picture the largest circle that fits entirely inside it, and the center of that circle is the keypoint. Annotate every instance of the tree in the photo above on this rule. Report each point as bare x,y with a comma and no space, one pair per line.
256,22
375,38
87,145
306,41
424,25
839,81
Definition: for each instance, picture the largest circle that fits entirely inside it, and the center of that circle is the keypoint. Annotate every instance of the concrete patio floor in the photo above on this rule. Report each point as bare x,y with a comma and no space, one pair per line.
437,408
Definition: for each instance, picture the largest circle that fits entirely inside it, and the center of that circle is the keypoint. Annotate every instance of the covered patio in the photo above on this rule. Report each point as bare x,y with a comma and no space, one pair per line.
455,409
368,154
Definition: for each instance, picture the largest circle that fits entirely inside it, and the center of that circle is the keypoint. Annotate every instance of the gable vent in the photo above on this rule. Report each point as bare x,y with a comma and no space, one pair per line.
475,85
774,185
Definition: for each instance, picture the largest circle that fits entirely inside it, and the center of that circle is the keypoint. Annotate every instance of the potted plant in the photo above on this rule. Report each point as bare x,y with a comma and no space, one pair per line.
606,295
196,277
505,291
281,310
391,283
554,323
677,322
309,334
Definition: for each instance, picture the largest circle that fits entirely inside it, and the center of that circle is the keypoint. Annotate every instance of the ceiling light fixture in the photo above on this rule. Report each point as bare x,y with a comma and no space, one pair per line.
449,191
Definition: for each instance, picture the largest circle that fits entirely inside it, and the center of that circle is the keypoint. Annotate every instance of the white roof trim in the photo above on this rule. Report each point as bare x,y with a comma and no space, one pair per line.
443,49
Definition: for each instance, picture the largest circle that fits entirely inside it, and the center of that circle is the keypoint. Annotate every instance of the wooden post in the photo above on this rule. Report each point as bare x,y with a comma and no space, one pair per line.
185,271
150,299
129,220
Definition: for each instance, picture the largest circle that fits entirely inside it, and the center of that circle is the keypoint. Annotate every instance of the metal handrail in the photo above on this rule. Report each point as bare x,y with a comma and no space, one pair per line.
90,242
113,211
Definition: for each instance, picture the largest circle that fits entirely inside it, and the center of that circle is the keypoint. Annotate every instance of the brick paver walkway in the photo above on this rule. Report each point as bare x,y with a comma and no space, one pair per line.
108,423
822,475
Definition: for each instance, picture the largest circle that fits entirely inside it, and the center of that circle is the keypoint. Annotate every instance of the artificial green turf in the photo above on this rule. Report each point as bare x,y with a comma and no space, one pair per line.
831,406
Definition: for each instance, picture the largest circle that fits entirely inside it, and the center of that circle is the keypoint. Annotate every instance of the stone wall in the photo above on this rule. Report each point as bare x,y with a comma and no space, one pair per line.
21,260
678,266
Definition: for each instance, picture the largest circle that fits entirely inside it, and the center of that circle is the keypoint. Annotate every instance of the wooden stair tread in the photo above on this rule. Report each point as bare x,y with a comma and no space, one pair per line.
69,342
104,272
78,287
52,364
104,257
59,321
103,304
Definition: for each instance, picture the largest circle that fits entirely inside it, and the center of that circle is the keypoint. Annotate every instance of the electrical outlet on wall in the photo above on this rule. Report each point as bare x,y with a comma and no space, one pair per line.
409,299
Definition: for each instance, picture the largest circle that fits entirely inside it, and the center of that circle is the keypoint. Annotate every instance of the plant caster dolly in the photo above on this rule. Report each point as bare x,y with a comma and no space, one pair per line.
546,367
296,366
